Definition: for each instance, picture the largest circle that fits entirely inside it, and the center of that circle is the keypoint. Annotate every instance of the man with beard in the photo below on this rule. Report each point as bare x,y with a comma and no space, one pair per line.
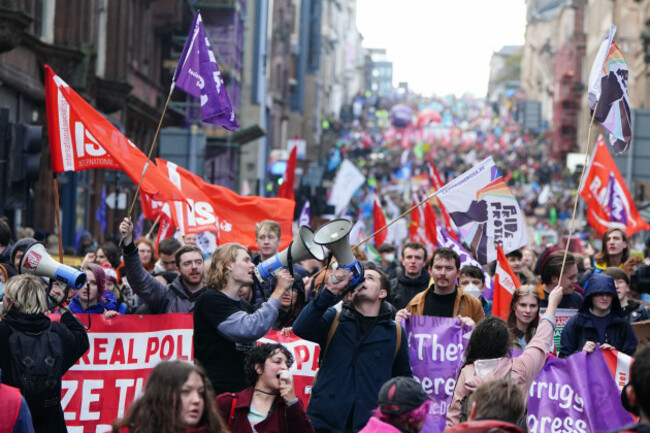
411,278
443,297
177,297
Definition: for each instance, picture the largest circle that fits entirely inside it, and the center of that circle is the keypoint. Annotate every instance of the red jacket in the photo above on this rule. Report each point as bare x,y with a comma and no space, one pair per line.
281,419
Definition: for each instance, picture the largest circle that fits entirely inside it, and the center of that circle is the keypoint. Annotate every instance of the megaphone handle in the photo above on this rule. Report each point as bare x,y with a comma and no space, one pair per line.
290,260
87,328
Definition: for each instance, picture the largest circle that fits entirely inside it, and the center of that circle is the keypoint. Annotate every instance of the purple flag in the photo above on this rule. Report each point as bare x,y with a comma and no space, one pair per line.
564,397
138,230
197,74
445,240
100,215
616,202
305,216
436,349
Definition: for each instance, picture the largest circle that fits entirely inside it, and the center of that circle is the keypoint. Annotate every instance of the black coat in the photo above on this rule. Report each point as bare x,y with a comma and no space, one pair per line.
74,342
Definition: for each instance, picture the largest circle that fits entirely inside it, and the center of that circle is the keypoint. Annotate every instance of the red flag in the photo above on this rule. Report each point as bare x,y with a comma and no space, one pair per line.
286,189
80,139
231,216
430,225
416,229
609,203
505,284
436,182
379,221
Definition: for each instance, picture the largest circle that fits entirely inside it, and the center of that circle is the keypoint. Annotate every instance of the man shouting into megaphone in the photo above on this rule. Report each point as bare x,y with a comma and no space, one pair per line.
361,348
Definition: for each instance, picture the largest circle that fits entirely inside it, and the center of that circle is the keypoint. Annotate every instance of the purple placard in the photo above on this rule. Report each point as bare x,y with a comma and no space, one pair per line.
575,394
436,348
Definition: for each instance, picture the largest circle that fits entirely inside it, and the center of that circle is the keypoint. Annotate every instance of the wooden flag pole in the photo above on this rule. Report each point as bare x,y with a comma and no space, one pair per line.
575,204
153,227
429,197
57,213
153,145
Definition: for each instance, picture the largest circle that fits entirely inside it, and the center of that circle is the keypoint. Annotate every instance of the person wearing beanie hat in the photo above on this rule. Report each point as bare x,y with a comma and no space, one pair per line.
18,250
600,321
402,407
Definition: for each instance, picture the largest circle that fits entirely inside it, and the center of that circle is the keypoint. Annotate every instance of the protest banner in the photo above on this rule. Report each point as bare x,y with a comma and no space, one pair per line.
436,348
577,394
123,351
562,316
112,373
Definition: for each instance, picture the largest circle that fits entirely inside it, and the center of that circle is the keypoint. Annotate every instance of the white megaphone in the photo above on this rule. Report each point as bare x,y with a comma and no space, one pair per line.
38,262
334,236
303,247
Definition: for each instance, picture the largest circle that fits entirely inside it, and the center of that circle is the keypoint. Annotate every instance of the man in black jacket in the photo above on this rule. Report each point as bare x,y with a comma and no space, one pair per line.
64,343
411,277
177,297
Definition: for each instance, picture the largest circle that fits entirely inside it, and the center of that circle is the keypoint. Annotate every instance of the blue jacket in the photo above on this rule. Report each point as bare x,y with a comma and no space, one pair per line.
352,371
582,327
107,302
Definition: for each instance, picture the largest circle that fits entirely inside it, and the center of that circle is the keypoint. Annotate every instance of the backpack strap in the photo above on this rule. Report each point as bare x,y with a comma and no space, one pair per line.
398,342
232,408
330,334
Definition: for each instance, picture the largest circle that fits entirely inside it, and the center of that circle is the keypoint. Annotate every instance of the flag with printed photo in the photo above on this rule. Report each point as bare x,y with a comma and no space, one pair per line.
485,211
608,83
198,75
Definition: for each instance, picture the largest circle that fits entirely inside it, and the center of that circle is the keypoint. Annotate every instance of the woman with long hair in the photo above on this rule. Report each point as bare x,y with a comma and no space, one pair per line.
524,315
270,404
178,398
146,252
488,357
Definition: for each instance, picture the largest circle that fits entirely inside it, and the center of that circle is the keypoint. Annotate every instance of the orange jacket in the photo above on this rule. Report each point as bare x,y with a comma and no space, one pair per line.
465,305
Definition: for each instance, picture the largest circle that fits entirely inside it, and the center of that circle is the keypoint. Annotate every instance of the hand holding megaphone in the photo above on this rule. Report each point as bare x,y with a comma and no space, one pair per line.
284,282
338,281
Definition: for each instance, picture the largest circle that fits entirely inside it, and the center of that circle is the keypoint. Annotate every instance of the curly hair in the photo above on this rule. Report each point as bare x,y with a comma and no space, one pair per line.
158,409
259,355
222,257
490,339
525,290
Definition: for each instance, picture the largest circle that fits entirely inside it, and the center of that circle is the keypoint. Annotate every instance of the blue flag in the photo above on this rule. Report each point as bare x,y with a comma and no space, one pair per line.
198,75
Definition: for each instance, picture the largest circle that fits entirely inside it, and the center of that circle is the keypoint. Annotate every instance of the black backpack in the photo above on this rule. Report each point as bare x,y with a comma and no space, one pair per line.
36,367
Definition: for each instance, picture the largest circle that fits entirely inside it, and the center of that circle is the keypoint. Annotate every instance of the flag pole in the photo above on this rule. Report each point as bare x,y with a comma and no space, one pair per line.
153,227
153,145
57,212
575,204
429,197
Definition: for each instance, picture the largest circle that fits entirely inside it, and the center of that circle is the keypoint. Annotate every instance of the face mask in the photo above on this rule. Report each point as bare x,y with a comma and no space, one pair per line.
389,257
472,290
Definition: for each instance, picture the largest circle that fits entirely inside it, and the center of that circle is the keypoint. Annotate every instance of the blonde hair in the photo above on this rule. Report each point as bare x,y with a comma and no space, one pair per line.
27,293
222,257
268,225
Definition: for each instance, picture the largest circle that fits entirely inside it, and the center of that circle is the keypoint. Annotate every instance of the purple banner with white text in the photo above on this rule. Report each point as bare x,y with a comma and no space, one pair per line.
577,394
436,349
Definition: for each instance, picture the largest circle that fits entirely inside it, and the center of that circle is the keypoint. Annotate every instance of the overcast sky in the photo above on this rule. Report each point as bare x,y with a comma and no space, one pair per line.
441,46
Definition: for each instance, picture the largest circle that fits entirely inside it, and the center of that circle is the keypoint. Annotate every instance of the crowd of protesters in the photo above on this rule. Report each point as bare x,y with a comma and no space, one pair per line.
365,379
